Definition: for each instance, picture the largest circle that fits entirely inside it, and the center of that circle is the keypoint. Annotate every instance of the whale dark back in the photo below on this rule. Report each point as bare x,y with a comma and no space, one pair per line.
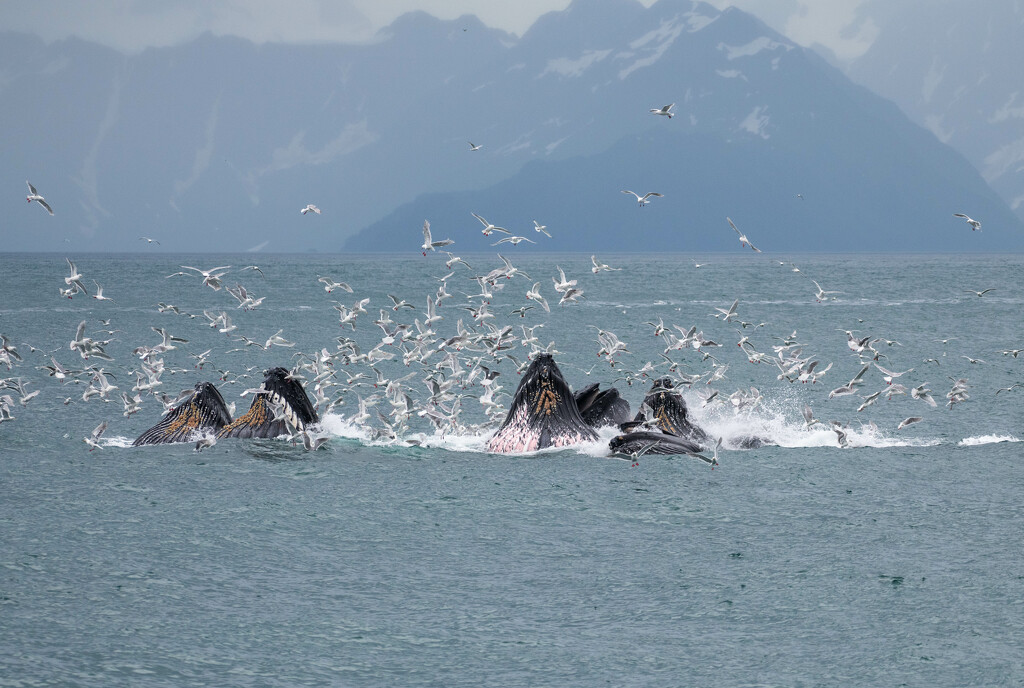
599,407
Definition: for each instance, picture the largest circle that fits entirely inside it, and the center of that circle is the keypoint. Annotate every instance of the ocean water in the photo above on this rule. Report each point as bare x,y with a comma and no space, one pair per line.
895,560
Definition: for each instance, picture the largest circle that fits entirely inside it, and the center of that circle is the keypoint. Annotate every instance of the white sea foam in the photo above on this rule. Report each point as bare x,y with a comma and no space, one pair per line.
986,439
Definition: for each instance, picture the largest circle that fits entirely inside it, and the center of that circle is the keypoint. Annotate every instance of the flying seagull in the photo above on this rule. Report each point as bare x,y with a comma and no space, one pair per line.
666,111
744,241
642,200
428,243
310,208
975,225
33,195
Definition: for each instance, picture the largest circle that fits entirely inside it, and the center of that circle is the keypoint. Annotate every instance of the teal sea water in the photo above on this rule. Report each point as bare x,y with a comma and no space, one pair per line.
895,560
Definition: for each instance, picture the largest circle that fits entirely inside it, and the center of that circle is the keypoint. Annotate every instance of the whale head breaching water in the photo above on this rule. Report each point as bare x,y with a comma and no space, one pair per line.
282,408
664,408
204,410
543,413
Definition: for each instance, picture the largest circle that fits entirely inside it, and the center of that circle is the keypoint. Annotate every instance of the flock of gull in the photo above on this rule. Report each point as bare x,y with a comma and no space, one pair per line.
448,373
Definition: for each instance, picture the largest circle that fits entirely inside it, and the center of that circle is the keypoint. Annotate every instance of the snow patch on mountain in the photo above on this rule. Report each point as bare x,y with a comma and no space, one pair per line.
756,121
752,48
566,67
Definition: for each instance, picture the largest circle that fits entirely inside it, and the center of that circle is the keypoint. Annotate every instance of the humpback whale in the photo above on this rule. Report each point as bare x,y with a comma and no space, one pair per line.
282,403
203,410
601,407
543,413
665,409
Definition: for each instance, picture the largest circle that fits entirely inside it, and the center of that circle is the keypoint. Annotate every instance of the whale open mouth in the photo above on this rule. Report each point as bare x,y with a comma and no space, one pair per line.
543,413
282,409
204,410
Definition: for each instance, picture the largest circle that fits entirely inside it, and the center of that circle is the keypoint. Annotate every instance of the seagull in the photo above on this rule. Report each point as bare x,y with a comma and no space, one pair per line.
975,225
571,295
666,111
744,241
148,240
473,147
562,284
93,440
74,280
541,228
979,294
908,421
205,442
310,208
453,259
514,240
488,227
599,266
209,278
33,195
399,303
428,243
642,200
277,339
99,293
809,418
535,295
889,375
822,295
330,285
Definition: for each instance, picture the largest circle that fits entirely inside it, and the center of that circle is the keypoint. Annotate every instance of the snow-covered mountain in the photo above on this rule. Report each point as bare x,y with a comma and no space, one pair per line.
215,145
952,67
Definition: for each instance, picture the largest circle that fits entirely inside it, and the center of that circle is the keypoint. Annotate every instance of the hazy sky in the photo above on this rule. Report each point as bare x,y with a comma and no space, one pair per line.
132,25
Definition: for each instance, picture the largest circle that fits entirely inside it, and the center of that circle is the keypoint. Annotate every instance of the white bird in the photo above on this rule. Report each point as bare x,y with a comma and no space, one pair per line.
205,442
488,227
514,240
535,295
453,259
33,195
744,241
823,295
562,284
571,295
93,440
809,418
330,285
99,293
666,111
310,208
473,147
979,294
399,303
890,375
908,421
642,200
728,314
599,266
428,243
543,229
278,340
149,241
211,277
74,280
975,225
